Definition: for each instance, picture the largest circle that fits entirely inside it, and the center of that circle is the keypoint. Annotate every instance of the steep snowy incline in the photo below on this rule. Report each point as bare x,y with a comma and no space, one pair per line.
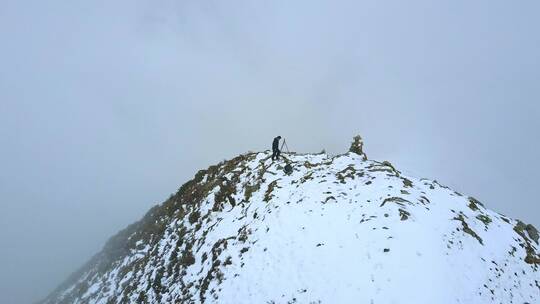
336,230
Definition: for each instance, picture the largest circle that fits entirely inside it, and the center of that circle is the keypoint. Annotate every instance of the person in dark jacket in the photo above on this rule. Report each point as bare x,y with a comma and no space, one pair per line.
275,148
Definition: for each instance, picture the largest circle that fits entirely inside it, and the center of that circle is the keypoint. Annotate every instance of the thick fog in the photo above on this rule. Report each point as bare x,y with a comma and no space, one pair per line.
107,107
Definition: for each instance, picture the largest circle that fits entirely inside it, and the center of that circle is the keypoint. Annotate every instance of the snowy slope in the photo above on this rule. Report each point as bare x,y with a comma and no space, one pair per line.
337,230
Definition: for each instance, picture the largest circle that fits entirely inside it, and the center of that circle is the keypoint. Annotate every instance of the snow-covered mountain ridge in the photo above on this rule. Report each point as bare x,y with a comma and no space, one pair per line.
340,229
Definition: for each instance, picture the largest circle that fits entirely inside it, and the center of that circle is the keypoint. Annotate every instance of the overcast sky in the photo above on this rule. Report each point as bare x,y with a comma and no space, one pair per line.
107,107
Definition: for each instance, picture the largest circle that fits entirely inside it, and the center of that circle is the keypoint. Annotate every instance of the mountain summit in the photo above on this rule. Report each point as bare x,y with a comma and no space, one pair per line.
340,229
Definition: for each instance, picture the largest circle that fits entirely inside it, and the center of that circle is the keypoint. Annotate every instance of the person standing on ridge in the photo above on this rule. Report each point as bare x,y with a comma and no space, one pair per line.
275,148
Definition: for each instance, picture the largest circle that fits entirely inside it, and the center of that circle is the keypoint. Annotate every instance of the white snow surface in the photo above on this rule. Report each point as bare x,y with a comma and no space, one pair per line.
337,230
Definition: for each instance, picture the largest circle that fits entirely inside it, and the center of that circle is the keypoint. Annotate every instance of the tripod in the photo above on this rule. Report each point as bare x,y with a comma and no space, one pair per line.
284,144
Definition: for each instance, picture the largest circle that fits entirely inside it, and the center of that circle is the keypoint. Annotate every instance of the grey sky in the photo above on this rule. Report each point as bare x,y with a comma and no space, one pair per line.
107,107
